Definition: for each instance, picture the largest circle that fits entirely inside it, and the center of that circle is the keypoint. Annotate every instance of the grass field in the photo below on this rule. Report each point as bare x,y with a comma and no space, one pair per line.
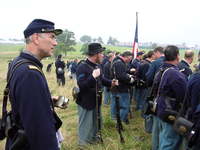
134,134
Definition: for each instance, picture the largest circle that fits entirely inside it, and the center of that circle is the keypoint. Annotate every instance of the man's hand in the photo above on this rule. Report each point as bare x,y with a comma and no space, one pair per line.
55,98
96,73
114,83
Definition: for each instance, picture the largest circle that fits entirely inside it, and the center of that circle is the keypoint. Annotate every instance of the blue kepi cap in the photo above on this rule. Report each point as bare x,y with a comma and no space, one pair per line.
41,26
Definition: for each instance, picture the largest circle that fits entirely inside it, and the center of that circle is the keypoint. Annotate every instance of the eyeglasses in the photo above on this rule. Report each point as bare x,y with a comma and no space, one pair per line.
48,35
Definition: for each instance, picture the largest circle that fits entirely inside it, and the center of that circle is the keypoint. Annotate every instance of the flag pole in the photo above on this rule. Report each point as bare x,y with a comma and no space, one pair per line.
135,43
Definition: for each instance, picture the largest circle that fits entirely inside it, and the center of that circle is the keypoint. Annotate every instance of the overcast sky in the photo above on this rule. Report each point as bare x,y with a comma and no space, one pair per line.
162,21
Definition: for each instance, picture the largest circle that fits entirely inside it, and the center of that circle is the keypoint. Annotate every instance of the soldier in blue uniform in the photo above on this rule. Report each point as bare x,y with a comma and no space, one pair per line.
107,74
184,65
119,71
90,80
73,68
193,106
31,101
60,70
169,97
153,68
134,66
136,62
142,85
155,65
49,67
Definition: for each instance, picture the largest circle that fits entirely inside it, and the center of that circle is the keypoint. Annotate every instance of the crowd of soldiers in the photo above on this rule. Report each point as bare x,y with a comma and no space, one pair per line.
156,74
159,74
165,90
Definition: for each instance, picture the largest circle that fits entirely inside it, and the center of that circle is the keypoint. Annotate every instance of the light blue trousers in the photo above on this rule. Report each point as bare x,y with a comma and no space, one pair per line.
155,133
169,139
87,127
124,103
107,96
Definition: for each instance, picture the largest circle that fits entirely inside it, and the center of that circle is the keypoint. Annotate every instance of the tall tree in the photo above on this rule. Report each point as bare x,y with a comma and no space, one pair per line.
94,40
84,48
86,39
154,45
66,41
112,41
100,40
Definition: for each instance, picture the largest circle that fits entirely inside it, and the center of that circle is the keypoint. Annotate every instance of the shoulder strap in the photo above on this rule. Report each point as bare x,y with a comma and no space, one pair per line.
9,77
13,67
162,79
88,65
156,86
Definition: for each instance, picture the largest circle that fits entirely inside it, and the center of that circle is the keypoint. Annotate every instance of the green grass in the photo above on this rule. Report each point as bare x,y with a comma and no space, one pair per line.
134,134
10,47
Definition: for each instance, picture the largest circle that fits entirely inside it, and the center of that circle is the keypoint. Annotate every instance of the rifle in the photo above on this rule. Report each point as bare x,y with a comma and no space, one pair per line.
98,99
131,102
119,123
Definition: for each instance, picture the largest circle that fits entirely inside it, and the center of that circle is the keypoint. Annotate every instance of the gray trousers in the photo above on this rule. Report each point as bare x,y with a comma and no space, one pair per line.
87,127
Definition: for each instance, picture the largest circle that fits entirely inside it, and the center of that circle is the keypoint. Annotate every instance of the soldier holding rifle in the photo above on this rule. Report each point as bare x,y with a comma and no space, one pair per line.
90,80
119,72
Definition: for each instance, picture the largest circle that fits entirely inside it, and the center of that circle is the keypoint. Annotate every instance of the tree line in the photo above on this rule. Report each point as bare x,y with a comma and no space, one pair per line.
66,42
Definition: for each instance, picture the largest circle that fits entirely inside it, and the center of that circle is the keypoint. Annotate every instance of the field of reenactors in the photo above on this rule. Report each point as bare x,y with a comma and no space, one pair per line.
134,133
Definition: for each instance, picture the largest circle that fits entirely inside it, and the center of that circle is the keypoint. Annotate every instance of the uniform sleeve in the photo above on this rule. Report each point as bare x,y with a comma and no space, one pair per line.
142,71
150,74
85,79
106,82
35,111
195,96
106,70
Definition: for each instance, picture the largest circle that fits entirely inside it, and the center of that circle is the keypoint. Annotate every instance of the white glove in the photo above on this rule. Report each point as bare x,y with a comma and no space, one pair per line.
96,73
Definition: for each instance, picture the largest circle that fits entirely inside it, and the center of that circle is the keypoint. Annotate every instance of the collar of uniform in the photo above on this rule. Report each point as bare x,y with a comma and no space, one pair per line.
185,62
32,58
28,52
121,59
148,61
117,57
167,65
91,63
162,58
